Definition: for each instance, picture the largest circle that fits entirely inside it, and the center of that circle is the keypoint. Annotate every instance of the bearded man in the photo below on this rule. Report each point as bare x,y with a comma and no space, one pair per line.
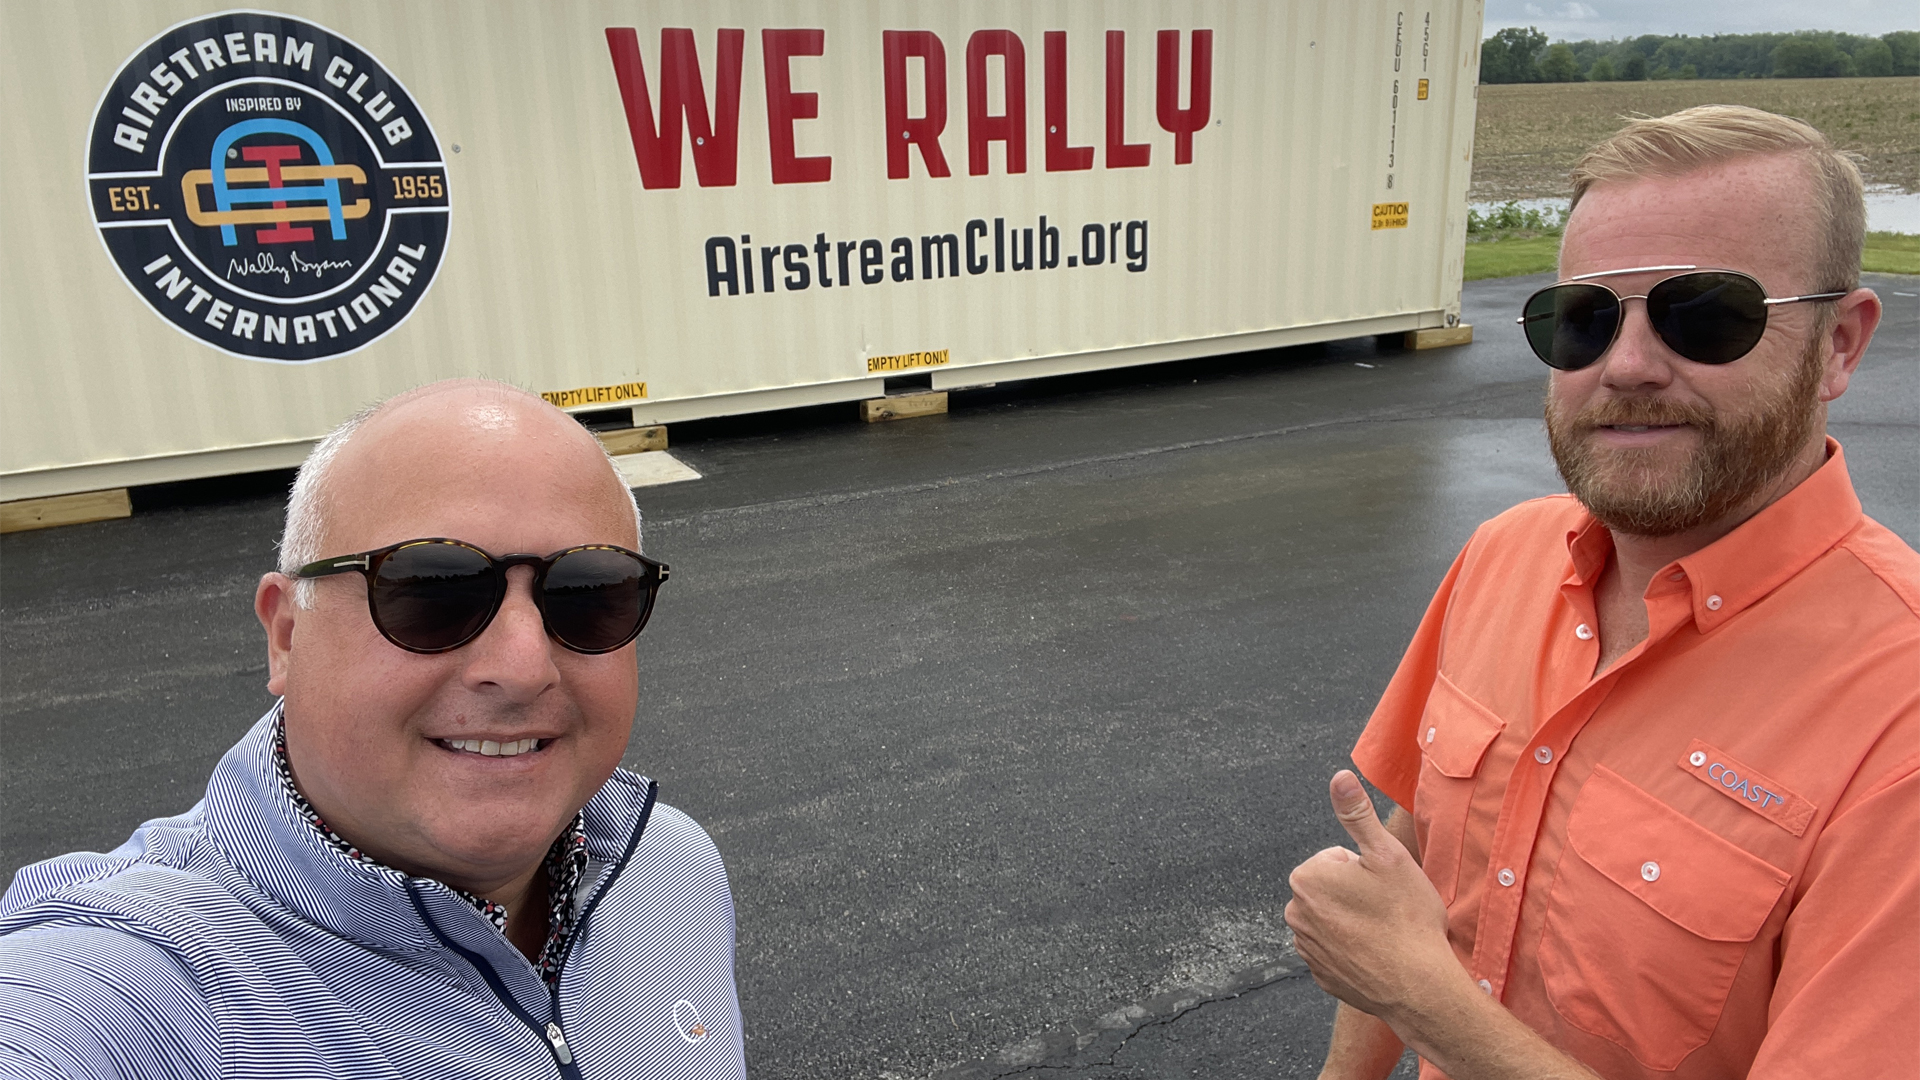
1654,745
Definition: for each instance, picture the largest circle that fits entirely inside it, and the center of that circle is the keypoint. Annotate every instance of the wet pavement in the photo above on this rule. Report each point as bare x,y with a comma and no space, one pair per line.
1010,723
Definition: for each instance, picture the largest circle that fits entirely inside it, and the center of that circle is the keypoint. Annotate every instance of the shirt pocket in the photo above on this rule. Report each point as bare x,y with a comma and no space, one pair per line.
1454,734
1650,918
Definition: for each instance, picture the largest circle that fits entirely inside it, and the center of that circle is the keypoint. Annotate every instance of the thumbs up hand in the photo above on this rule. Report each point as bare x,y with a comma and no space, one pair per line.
1369,924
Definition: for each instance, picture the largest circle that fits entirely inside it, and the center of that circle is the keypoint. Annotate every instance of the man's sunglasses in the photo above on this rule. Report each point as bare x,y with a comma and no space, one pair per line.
1707,316
430,596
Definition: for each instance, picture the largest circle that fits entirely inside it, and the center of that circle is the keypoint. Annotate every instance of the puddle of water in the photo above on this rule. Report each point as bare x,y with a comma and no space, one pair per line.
1547,207
1888,209
1891,210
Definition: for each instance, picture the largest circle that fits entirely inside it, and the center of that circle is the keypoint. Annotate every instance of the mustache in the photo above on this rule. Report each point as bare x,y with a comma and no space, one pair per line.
1643,411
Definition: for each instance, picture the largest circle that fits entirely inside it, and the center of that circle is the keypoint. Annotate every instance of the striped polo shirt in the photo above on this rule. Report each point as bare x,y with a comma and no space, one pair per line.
235,940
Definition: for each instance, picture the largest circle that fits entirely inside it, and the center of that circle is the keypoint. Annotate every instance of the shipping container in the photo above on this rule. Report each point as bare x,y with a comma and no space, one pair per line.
225,231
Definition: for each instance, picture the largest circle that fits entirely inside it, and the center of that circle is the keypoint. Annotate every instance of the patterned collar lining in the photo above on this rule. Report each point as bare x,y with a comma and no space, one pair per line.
565,865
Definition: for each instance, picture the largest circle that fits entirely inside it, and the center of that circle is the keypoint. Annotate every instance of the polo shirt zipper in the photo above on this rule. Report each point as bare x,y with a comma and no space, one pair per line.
559,1041
556,1036
551,1032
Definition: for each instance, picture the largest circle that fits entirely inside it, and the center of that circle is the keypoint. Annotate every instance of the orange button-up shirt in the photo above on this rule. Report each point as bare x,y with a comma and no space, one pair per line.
1705,860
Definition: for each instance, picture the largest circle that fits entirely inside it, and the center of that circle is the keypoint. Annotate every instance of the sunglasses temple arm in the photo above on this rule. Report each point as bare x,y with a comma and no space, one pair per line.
326,567
1809,298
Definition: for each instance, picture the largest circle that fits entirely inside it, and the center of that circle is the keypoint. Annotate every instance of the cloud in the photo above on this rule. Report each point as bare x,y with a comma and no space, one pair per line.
1573,20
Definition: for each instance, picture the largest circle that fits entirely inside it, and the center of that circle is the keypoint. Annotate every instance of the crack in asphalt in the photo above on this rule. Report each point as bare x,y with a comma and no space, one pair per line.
1184,1004
1111,1060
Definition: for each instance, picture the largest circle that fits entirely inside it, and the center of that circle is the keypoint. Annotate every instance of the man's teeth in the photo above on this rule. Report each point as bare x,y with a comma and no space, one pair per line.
491,748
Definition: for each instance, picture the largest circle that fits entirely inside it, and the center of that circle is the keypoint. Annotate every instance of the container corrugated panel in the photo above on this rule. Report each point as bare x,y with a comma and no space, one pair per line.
1107,204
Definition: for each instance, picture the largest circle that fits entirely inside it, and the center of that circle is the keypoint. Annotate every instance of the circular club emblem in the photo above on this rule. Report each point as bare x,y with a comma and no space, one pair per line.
267,187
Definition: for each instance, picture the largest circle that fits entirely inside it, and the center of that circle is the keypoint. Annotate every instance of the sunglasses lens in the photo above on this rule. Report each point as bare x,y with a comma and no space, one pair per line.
1708,318
1570,326
433,597
597,599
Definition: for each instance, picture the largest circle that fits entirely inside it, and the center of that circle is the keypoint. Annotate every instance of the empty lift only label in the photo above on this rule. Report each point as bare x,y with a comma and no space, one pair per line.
1389,215
596,395
906,361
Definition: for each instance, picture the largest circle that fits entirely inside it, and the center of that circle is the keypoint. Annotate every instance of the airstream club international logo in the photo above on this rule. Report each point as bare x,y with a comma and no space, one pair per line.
267,187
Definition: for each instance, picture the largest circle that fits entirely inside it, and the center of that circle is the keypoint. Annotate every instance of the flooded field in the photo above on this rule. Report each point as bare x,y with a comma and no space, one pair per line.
1528,135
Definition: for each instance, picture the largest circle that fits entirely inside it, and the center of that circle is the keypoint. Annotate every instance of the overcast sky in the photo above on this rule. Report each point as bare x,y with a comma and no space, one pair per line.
1574,20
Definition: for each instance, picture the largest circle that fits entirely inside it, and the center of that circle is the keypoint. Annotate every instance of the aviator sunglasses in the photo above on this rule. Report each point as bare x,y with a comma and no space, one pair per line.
1707,316
435,595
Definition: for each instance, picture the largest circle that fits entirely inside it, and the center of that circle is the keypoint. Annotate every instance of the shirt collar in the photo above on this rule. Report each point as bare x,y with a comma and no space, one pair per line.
256,836
1736,571
1765,551
565,864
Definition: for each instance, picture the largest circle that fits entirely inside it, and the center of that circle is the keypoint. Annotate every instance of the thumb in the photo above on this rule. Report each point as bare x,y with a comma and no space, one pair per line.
1357,816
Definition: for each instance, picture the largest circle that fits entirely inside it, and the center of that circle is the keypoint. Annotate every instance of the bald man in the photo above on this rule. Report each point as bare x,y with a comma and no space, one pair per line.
424,860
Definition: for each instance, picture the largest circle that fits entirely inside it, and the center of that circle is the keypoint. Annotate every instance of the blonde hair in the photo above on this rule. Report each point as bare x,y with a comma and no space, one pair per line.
311,500
1709,135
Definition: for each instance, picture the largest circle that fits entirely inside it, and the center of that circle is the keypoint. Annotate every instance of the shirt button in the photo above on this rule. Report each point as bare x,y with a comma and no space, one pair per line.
1583,632
1650,870
1430,733
1697,758
1506,877
1713,602
1486,987
1543,755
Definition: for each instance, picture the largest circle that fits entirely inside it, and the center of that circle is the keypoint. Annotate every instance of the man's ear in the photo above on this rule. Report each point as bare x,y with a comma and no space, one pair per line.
1847,340
274,604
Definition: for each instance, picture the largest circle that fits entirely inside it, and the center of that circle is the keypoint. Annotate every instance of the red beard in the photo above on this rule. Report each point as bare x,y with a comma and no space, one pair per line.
1647,492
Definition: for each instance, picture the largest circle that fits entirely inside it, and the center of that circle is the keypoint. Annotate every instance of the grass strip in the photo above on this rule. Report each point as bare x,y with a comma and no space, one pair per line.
1886,253
1891,253
1512,258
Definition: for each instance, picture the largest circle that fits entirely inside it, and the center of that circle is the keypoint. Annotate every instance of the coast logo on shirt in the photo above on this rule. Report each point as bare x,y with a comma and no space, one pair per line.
1747,786
267,187
686,1020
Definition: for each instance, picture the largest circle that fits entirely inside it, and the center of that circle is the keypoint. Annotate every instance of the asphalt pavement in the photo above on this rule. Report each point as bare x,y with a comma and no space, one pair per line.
1010,723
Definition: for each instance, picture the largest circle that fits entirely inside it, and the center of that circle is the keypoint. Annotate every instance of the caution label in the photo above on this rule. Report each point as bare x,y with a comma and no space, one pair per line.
904,361
1389,215
596,395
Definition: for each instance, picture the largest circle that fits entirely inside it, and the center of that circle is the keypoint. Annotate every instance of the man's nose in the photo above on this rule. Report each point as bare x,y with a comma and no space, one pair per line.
514,653
1638,359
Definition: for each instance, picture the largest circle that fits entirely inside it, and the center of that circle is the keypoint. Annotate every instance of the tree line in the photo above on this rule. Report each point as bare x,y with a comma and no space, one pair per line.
1517,55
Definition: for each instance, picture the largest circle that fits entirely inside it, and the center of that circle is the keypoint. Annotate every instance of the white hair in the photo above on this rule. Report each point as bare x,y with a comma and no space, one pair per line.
311,501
